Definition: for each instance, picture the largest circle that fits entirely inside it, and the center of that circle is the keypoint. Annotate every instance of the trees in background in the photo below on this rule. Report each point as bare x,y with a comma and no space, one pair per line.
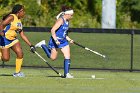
87,12
128,12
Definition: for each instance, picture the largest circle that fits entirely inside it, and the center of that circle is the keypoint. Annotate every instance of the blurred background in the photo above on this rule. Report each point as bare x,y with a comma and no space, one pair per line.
88,13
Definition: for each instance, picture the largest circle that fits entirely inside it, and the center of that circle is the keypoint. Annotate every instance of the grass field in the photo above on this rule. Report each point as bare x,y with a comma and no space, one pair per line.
46,81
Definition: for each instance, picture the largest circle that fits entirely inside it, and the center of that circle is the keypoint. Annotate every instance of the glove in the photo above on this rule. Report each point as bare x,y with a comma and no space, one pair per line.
32,48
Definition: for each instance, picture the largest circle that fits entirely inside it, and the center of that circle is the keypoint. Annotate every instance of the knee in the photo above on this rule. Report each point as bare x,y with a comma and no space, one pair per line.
5,59
53,58
20,55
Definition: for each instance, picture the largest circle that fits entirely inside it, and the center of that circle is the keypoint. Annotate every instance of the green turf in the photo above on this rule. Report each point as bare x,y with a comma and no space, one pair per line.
46,81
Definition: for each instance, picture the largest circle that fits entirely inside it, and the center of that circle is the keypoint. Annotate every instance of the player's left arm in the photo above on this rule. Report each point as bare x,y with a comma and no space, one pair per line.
69,39
24,37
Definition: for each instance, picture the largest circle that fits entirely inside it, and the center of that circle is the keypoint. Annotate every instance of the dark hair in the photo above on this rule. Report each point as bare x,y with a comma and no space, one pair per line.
15,10
5,16
65,8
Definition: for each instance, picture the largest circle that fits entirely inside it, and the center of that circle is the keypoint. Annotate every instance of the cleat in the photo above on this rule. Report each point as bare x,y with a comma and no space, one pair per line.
19,74
68,75
40,43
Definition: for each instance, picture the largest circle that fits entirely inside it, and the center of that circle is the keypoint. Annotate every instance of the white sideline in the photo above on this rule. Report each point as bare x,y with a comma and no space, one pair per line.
83,78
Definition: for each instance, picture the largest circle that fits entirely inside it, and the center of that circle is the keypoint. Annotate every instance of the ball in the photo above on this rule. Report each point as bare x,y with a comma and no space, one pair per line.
93,76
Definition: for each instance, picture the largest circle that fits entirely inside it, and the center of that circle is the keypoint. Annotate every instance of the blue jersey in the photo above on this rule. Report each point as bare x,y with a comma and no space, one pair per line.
61,35
62,31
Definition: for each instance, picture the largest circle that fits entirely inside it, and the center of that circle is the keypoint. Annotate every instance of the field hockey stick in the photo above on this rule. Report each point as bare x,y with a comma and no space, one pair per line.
48,64
95,52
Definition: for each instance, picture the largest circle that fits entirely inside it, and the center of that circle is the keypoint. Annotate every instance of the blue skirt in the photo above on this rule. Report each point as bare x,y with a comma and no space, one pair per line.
62,44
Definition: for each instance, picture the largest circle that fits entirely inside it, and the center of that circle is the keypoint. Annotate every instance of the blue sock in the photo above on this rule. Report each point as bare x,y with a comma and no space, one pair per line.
47,50
66,66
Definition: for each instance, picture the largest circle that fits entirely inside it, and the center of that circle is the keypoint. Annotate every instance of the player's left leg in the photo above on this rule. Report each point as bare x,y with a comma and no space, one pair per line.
66,51
18,50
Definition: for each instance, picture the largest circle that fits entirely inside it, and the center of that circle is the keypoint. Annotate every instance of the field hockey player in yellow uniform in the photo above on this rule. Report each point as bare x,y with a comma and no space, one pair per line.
10,26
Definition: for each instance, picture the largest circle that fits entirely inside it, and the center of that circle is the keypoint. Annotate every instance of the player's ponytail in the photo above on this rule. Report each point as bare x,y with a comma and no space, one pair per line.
5,16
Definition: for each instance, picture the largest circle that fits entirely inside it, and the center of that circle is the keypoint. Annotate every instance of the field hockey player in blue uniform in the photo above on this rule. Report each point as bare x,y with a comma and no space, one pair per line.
59,39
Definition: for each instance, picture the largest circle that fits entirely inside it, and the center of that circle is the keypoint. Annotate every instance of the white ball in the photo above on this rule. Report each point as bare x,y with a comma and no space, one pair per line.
92,76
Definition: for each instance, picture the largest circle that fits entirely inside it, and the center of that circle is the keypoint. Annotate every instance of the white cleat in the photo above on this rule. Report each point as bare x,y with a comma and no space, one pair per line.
40,43
68,75
19,74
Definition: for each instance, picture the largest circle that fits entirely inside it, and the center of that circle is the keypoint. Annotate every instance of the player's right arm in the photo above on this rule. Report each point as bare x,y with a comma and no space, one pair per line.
58,23
5,22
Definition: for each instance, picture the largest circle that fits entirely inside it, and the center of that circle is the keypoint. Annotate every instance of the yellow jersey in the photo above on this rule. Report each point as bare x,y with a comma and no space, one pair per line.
12,29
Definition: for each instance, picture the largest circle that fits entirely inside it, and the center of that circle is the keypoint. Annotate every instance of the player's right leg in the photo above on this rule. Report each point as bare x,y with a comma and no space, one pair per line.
42,44
51,53
5,54
54,54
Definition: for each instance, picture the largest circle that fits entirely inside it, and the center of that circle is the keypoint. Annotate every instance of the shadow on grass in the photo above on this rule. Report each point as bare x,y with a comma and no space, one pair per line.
6,75
56,76
53,76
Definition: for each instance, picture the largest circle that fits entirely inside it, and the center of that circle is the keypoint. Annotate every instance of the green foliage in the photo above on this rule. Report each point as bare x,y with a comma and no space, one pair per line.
88,11
44,14
33,13
128,14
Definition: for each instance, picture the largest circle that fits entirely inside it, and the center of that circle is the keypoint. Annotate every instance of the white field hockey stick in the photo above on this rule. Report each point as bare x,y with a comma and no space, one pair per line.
48,64
95,52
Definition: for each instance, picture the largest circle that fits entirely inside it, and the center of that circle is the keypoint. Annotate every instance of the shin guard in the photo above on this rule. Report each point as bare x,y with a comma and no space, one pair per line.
66,66
18,64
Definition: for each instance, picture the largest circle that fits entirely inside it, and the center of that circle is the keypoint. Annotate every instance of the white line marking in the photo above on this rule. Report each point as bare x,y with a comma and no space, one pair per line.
83,78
